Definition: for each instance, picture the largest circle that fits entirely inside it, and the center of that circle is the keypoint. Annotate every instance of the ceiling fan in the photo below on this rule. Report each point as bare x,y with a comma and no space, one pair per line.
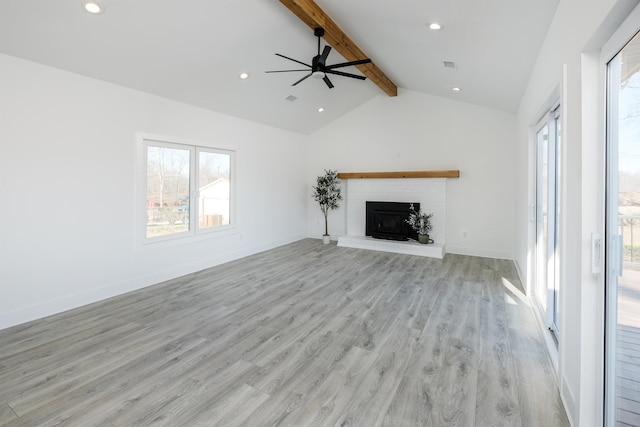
319,68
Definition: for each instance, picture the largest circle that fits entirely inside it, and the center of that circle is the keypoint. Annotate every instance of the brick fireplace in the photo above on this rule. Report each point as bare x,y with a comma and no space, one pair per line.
429,192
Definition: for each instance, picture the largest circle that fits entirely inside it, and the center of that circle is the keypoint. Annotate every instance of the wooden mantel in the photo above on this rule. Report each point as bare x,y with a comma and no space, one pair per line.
408,174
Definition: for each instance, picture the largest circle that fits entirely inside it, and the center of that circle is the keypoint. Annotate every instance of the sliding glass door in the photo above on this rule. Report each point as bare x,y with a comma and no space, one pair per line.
622,360
547,211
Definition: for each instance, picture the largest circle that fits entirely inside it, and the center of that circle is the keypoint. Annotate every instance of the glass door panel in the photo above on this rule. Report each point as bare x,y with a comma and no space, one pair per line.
622,394
547,210
542,217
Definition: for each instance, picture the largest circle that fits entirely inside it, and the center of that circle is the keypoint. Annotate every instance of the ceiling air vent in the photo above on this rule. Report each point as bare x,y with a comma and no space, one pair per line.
291,98
449,64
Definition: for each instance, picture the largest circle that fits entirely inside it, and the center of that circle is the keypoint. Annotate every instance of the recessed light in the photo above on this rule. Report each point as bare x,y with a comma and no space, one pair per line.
93,6
244,76
456,89
435,26
320,110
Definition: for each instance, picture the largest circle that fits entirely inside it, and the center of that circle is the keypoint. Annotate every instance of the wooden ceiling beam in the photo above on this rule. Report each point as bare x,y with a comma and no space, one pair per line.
311,14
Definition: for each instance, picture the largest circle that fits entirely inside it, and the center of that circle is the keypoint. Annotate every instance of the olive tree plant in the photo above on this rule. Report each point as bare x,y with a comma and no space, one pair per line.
327,193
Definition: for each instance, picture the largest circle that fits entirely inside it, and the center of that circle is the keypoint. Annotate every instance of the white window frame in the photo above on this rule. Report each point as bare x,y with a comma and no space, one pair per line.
194,233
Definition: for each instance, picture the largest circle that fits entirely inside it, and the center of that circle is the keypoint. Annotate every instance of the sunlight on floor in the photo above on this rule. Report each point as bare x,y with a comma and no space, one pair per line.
513,291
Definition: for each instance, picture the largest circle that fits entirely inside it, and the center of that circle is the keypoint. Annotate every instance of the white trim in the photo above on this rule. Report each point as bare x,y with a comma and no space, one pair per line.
547,336
588,409
552,103
520,275
479,252
612,257
622,35
566,393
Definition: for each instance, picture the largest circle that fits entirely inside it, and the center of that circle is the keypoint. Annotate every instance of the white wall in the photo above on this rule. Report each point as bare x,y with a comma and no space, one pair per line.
67,172
566,64
415,131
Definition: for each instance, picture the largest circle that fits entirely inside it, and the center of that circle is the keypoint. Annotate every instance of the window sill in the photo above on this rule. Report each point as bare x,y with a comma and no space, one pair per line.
186,238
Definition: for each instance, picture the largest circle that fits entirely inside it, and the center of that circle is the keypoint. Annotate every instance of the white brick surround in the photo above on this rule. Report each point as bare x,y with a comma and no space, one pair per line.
431,193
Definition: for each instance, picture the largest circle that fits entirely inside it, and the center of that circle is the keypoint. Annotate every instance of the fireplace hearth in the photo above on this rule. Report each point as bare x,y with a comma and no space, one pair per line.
387,220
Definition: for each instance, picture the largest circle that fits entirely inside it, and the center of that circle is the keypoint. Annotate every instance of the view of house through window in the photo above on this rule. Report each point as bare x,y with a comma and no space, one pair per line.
213,190
187,189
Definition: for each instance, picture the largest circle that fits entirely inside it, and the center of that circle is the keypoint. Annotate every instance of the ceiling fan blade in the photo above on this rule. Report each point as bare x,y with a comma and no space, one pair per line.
346,64
294,60
340,73
327,81
283,71
325,53
308,75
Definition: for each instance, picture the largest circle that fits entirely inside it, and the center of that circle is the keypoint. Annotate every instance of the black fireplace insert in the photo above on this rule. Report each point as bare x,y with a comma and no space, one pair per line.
387,220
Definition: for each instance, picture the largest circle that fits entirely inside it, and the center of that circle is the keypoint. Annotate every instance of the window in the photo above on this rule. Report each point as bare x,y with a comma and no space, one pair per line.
187,188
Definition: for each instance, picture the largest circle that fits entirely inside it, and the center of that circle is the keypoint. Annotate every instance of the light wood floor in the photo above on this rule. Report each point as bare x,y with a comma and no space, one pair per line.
628,350
305,334
628,377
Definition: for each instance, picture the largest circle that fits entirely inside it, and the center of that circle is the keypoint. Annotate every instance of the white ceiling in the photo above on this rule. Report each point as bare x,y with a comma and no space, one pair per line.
193,50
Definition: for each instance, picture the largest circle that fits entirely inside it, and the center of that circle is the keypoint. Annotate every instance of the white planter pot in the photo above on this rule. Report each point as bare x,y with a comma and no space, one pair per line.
326,239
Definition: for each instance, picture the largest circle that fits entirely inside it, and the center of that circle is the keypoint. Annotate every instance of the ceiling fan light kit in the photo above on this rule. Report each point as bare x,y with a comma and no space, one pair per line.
319,68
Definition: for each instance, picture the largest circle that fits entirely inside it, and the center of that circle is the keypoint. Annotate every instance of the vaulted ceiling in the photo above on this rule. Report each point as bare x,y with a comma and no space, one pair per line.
194,50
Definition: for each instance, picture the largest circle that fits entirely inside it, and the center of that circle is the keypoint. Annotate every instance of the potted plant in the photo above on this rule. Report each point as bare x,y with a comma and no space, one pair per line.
327,193
421,223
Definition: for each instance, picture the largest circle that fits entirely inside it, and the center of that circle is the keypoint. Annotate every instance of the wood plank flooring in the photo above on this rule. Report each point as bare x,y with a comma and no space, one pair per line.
628,377
628,349
302,335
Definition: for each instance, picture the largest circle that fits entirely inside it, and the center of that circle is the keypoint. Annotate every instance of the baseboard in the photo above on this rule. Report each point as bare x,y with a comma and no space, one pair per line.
568,401
69,302
519,273
552,349
566,394
333,238
479,252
